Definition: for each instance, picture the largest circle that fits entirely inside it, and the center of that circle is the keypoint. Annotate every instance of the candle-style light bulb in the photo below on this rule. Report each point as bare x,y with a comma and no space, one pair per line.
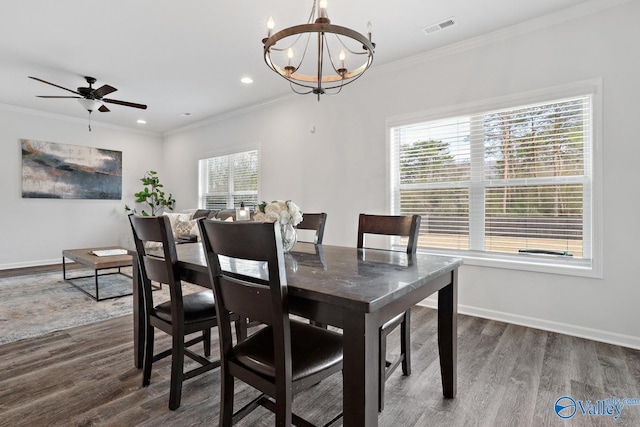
270,26
289,69
323,8
369,26
342,57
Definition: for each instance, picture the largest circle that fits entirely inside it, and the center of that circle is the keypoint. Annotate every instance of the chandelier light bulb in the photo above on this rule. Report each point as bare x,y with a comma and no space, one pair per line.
342,57
323,8
270,25
289,68
369,26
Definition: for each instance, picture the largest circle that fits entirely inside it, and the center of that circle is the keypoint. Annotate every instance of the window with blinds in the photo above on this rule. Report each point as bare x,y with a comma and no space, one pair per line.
510,181
226,181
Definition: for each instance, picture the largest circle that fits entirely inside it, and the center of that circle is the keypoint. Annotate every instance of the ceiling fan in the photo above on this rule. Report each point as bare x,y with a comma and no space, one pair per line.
90,98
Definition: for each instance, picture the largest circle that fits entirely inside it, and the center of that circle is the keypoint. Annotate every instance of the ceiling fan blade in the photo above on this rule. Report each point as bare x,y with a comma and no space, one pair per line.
125,103
104,90
47,96
103,109
53,84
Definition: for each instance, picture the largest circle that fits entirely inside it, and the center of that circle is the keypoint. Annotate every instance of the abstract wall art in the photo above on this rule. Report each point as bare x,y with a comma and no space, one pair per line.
61,171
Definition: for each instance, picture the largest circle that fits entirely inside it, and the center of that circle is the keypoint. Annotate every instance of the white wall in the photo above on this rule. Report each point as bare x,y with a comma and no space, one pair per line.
342,167
35,231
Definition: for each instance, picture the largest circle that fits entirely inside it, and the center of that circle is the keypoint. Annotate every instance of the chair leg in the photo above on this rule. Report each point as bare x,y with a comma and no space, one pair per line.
148,355
226,398
177,366
382,368
405,342
206,340
283,407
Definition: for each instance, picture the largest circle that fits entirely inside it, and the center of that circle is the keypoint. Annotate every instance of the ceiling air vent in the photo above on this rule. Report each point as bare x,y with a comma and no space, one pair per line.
430,29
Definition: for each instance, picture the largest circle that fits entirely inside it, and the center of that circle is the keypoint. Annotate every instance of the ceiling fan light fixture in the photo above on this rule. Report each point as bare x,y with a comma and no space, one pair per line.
90,104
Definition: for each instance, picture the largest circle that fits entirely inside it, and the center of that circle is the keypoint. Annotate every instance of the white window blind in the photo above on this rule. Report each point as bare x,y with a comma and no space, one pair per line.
509,181
226,181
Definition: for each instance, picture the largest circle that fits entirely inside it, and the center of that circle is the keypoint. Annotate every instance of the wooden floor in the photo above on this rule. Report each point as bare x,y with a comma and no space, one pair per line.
507,376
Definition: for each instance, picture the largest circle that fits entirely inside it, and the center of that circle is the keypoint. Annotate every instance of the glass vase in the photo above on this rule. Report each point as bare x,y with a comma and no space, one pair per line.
289,237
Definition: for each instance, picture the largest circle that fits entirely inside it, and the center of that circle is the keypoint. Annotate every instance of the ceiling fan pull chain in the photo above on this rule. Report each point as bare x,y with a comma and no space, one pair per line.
89,121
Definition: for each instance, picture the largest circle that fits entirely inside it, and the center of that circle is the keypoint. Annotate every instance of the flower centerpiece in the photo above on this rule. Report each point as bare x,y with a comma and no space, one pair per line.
287,213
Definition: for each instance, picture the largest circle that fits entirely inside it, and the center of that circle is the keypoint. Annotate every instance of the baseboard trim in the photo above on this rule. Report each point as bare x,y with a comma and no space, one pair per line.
31,264
546,325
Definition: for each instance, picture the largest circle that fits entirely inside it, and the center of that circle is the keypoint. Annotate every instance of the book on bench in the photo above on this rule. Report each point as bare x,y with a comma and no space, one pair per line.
109,252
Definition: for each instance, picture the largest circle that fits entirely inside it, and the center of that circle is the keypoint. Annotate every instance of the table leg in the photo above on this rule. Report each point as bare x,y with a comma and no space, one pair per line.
360,370
95,274
448,335
138,316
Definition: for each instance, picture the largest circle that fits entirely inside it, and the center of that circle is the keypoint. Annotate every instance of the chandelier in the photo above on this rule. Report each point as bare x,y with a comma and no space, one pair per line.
342,54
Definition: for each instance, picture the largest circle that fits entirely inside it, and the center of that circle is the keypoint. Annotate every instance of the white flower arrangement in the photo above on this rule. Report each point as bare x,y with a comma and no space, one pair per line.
286,212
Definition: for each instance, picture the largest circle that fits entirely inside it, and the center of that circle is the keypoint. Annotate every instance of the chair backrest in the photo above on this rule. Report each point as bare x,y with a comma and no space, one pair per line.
314,221
391,225
157,263
202,213
254,298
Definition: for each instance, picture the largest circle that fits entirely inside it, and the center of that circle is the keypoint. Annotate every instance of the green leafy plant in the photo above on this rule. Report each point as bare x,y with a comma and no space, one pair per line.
152,195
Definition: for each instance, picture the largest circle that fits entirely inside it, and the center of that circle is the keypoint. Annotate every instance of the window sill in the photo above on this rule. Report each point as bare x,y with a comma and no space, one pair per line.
525,262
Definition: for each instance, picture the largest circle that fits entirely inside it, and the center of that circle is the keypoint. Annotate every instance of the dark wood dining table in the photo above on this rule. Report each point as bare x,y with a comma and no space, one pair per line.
356,290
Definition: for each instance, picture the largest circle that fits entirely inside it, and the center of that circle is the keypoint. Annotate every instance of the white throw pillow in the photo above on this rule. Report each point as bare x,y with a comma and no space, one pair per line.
187,228
174,218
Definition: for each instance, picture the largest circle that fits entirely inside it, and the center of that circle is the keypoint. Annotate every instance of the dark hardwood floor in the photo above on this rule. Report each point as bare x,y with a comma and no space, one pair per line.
507,376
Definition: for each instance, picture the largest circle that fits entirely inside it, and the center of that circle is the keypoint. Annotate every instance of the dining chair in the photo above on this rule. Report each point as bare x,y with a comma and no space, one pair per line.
392,225
314,221
182,315
285,356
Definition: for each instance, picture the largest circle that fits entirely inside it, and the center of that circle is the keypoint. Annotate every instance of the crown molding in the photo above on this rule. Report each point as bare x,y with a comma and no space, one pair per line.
94,123
546,21
230,114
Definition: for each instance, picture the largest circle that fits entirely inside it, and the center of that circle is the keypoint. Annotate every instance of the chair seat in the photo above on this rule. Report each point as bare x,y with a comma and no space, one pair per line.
313,350
198,306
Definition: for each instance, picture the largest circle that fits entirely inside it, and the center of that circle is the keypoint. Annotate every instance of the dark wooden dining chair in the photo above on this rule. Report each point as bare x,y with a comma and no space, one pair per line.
392,225
314,221
285,356
182,315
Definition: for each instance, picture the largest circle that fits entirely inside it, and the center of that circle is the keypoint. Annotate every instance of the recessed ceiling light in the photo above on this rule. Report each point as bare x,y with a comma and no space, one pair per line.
246,80
185,114
142,122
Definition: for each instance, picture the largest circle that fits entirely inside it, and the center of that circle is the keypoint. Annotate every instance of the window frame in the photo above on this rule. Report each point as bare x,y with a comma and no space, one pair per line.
230,194
566,266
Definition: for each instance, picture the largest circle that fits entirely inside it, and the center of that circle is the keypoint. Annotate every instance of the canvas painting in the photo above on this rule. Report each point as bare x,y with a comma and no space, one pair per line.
61,171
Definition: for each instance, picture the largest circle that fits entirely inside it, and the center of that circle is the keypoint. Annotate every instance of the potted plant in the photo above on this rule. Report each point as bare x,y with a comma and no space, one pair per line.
152,195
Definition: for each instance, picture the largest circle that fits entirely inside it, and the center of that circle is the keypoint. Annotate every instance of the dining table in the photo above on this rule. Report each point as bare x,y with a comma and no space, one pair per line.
356,290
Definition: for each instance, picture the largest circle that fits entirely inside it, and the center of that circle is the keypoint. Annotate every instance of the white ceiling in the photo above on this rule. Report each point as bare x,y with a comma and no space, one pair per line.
188,56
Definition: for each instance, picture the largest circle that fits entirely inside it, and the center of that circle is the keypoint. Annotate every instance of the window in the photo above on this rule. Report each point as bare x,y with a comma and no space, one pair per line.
226,181
512,184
